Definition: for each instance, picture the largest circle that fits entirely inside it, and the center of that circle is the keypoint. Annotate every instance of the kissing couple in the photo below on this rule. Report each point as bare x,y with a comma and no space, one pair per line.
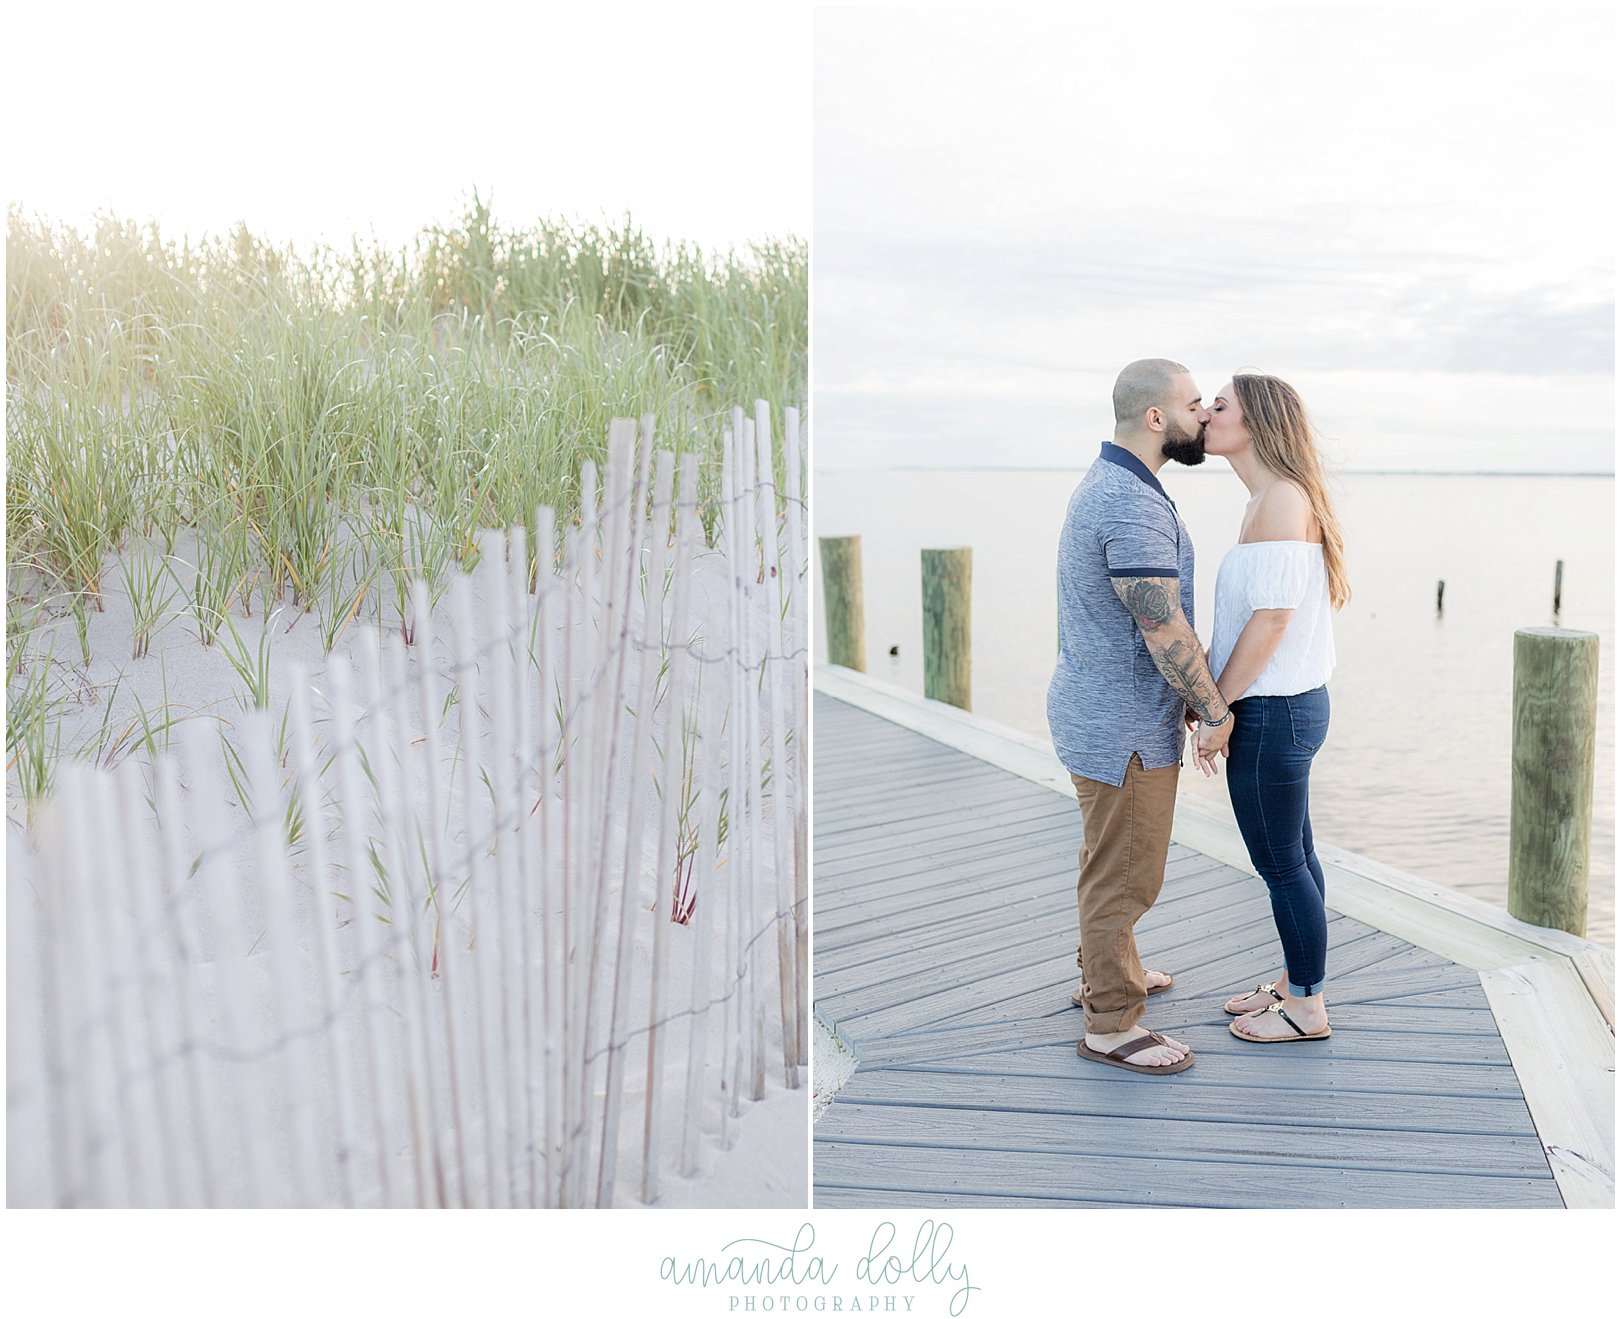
1132,681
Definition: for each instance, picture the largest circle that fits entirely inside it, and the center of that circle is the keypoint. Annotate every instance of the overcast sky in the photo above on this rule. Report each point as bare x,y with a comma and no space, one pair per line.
324,122
1405,211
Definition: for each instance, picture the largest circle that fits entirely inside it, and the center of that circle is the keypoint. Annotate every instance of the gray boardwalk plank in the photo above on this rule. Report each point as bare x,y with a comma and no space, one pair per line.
1216,1064
1168,1181
1188,1099
874,874
879,844
945,926
955,898
844,1197
1051,874
1370,1149
1003,984
1063,1024
947,883
901,801
1031,990
1030,904
1419,1039
1001,950
927,868
915,800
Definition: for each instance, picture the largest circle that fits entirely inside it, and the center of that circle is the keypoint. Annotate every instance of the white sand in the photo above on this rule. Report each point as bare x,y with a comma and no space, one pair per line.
832,1064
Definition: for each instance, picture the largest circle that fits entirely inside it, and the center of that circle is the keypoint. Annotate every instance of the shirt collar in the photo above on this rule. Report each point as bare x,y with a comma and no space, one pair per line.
1123,457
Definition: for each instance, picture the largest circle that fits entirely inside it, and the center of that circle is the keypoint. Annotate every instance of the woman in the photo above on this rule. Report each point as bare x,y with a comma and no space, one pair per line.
1272,651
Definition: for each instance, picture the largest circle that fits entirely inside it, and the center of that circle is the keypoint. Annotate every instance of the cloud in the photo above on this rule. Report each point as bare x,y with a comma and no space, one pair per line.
1534,332
1331,309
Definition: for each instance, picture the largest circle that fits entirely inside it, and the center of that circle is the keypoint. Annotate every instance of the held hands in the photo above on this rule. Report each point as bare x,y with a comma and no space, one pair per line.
1208,742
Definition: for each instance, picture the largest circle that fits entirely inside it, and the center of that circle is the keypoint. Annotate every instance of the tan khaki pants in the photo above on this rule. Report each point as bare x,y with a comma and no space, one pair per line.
1128,835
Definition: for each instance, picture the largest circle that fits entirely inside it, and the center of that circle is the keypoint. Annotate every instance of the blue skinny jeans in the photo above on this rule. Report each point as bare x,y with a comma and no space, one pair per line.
1268,778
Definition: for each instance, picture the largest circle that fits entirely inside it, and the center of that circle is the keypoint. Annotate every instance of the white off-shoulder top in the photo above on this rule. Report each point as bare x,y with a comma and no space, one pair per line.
1277,574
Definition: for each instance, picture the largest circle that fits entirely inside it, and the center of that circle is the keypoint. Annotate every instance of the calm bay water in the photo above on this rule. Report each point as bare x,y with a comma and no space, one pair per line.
1416,769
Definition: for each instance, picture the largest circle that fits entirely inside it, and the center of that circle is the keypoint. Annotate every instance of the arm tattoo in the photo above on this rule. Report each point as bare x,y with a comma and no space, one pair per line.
1150,600
1157,608
1182,665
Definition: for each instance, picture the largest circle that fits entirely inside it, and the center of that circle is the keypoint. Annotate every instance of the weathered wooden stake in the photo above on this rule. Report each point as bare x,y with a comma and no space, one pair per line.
947,648
1558,586
1551,804
1440,591
841,595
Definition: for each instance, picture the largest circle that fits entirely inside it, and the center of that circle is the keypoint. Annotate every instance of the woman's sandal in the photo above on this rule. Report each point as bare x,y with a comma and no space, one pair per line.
1281,1039
1271,989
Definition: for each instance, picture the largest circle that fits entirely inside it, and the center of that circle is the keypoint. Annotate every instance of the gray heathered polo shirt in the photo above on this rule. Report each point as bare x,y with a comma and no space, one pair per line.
1107,700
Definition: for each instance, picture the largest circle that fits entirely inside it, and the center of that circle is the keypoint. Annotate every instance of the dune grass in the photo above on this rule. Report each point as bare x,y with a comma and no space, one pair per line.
335,426
222,429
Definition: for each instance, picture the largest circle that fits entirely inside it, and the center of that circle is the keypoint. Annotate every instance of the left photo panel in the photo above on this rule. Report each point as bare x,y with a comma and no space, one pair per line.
407,611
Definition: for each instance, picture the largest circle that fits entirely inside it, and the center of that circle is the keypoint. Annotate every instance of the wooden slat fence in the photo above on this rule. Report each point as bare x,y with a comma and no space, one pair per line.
491,922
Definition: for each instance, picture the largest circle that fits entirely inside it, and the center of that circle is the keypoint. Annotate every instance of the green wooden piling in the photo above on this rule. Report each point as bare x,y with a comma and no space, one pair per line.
1551,802
947,646
841,599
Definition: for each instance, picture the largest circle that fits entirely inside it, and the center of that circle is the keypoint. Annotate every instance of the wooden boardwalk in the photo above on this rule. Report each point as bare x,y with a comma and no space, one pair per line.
944,955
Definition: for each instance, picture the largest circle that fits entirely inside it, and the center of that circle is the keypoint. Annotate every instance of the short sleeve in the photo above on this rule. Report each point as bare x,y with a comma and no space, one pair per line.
1279,572
1146,548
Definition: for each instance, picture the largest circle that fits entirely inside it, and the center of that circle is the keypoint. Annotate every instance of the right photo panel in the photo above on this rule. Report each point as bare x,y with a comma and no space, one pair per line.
1213,766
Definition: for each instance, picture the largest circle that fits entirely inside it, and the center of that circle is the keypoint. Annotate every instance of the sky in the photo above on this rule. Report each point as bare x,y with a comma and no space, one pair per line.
322,123
1406,212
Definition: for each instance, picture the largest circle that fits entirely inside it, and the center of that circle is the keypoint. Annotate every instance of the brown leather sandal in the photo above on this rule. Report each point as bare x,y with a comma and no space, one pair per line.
1117,1057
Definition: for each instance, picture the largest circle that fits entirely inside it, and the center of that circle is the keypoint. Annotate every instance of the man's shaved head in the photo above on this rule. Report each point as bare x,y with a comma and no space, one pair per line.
1141,385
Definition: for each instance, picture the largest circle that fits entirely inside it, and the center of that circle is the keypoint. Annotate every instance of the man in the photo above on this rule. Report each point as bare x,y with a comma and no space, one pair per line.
1130,669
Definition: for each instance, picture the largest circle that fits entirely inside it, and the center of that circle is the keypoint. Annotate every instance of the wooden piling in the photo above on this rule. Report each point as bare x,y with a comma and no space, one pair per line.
841,595
947,647
1558,586
1440,592
1551,804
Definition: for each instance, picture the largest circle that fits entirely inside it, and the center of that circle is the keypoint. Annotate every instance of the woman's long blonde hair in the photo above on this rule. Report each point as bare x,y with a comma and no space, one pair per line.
1286,442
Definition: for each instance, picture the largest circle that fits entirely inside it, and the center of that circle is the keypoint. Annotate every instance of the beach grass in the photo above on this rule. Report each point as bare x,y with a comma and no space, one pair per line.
334,424
233,434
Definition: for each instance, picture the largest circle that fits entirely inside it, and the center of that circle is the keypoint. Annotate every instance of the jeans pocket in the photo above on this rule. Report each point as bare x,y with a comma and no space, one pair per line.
1308,722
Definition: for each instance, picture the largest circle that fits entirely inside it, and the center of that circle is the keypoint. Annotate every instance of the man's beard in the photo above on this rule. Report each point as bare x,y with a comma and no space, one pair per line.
1181,446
